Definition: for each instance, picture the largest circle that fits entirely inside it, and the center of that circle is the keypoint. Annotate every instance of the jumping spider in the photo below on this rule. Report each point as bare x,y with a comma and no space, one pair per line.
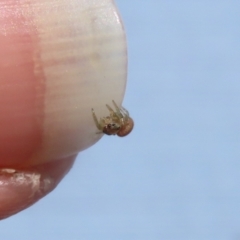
117,123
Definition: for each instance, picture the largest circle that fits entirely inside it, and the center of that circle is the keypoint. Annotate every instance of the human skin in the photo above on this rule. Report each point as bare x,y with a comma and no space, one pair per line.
58,59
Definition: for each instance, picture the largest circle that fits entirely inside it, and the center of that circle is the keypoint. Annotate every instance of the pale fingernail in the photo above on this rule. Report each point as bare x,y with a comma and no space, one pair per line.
58,63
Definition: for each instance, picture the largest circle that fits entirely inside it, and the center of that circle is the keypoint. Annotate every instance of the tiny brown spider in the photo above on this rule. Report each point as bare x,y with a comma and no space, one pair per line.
117,123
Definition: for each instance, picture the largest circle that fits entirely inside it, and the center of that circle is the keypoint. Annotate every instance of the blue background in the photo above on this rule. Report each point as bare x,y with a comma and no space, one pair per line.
177,176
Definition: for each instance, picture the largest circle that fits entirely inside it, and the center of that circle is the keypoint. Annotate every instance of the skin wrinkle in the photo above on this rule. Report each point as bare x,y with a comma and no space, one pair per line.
20,188
39,187
29,184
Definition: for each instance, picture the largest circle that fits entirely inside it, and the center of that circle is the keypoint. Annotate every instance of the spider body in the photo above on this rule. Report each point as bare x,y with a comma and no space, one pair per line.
117,123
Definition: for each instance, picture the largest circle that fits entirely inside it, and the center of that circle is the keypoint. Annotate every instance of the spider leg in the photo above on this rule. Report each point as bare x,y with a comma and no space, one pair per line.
109,108
96,120
118,110
121,111
112,112
125,113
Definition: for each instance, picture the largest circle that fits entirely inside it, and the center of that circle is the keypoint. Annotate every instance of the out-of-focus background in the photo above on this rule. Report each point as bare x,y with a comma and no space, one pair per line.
177,176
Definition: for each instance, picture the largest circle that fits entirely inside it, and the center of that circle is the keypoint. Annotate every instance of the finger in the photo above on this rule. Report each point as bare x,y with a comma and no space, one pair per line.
56,63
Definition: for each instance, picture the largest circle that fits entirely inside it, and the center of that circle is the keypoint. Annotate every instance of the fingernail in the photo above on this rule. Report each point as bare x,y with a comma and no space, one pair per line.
20,189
